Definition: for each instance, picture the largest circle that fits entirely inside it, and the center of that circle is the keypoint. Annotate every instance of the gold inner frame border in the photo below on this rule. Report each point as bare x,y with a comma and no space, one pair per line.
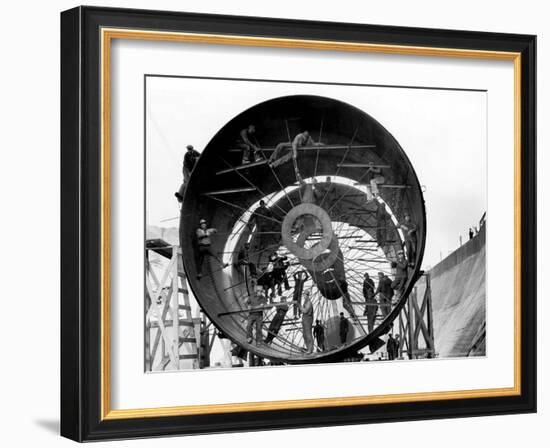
107,35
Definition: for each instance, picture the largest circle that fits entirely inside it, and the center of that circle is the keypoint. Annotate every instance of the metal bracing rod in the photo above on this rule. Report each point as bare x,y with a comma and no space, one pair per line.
365,222
278,337
260,308
354,316
344,237
319,141
236,169
373,260
323,314
374,241
338,168
349,267
346,191
234,285
291,345
295,335
294,343
271,246
252,184
230,191
361,165
242,208
378,269
288,131
275,174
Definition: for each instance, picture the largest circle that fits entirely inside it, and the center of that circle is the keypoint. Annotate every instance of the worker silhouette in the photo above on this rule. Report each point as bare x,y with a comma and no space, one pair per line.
205,246
300,277
384,291
409,229
307,322
256,300
245,143
344,328
319,333
371,305
277,321
189,161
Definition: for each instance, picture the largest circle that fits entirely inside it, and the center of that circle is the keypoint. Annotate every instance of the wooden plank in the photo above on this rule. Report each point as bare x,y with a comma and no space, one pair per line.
175,306
186,307
242,167
309,148
168,323
187,340
383,185
261,308
160,322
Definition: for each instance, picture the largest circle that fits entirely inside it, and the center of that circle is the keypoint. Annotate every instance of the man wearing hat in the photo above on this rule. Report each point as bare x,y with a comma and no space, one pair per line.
409,230
255,302
247,146
307,322
401,273
371,305
277,321
205,246
385,293
189,160
319,333
344,329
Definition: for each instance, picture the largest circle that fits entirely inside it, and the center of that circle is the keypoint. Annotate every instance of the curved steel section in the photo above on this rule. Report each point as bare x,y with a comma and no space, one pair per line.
353,139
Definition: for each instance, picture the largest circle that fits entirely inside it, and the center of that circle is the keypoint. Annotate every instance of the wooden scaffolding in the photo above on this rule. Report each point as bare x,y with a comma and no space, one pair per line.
171,332
416,335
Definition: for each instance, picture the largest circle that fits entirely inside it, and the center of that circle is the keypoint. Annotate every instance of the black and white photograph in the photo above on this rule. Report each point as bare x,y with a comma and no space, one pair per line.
305,222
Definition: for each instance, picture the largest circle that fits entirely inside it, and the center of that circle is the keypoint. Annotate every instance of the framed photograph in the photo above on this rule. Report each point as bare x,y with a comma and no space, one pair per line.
276,224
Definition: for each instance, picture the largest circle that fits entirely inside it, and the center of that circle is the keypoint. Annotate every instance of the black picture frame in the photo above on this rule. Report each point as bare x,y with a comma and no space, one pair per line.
81,287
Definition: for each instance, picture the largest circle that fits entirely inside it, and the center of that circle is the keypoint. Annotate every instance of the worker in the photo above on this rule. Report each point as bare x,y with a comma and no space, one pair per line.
205,246
397,346
324,194
280,265
285,152
381,224
246,267
409,231
300,277
401,273
346,299
189,161
307,321
319,333
246,144
269,276
385,293
371,305
262,218
391,347
255,302
277,321
375,176
344,328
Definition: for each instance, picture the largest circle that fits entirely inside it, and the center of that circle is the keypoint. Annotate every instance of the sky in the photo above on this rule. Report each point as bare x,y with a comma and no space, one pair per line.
442,132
